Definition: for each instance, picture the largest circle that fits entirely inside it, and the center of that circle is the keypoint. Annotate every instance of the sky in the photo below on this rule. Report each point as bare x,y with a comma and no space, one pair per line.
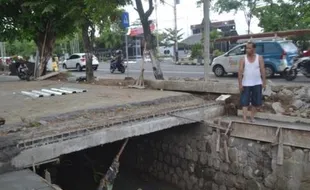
188,14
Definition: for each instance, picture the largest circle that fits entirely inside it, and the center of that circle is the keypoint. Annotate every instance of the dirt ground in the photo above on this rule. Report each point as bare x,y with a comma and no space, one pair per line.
16,107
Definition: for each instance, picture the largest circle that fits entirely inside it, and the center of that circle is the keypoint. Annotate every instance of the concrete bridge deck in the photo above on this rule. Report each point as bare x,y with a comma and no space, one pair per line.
23,180
63,124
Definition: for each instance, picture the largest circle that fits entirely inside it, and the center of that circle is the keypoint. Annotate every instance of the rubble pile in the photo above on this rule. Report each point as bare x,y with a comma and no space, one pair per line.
291,101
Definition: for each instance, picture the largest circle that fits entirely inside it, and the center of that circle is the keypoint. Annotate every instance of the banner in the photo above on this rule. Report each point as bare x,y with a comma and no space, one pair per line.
139,30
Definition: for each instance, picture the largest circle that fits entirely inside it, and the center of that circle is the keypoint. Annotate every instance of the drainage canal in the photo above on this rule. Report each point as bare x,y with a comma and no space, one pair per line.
189,157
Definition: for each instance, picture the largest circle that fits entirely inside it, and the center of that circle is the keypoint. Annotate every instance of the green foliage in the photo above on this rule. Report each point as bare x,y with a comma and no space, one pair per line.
197,51
169,36
112,36
23,48
217,53
214,34
281,15
284,15
231,5
25,19
161,37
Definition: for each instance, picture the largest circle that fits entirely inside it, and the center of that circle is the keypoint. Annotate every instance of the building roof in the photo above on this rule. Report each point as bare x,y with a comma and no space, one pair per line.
217,24
266,34
193,39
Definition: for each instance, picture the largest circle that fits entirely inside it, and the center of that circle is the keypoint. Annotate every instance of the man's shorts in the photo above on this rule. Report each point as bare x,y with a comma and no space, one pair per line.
253,95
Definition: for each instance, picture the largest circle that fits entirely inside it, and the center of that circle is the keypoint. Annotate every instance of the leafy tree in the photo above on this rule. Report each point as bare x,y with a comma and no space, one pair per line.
197,51
281,15
91,15
23,48
161,38
112,36
170,37
150,41
39,20
247,6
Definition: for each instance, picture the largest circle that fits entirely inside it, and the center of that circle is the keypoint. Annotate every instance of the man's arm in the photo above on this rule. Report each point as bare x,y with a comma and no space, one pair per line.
240,72
262,70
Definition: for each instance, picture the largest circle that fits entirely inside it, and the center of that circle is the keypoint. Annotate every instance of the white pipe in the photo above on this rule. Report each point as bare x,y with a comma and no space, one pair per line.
63,90
34,95
74,89
53,92
43,93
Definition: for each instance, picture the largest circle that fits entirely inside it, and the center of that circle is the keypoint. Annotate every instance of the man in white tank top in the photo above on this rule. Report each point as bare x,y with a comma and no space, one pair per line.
252,80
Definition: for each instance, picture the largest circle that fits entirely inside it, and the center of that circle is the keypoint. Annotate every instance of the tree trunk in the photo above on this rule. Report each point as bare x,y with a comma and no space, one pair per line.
149,39
45,42
88,51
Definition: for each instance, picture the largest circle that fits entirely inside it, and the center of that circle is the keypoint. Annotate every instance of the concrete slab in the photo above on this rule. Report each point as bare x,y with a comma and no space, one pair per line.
16,107
23,180
39,150
195,86
64,124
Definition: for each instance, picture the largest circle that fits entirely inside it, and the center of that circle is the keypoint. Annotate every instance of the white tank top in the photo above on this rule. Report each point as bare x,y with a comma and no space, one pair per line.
251,73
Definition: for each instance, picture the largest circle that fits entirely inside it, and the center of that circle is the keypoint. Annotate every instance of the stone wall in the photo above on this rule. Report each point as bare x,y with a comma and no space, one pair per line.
187,158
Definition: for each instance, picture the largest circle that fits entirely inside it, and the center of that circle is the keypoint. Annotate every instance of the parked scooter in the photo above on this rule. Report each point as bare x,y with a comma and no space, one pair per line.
300,65
22,70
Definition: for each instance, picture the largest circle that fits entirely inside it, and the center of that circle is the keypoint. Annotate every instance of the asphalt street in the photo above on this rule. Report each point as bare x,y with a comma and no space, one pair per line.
171,70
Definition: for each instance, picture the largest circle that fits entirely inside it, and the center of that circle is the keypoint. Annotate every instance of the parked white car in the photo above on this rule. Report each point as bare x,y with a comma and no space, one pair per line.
78,61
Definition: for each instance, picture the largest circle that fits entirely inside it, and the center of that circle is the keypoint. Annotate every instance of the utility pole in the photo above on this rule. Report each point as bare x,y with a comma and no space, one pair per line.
175,31
206,11
157,34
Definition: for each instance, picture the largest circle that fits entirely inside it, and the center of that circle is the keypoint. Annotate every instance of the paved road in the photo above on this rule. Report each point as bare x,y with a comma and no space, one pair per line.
172,70
169,69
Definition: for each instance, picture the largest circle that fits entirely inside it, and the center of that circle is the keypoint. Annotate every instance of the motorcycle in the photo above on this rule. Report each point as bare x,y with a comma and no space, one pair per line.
22,71
121,67
300,65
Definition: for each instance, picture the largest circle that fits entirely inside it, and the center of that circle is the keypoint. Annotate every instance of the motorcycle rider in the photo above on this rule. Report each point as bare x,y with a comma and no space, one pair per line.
118,58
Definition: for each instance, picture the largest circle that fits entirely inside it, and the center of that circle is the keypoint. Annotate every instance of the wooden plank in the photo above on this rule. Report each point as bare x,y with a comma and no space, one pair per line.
291,137
296,138
253,131
280,149
218,141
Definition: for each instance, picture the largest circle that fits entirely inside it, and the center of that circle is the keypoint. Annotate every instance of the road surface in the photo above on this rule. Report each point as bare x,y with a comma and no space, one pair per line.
171,70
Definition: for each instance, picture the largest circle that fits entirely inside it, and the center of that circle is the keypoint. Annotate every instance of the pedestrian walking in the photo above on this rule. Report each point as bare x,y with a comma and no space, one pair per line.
252,81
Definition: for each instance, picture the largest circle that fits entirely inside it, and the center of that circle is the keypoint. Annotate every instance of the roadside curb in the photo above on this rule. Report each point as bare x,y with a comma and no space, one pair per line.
187,61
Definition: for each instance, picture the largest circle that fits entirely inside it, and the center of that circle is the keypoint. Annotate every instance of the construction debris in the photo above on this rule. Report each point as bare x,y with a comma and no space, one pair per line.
292,101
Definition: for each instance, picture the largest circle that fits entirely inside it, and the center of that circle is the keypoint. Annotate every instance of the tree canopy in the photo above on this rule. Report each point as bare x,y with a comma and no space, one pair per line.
279,15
